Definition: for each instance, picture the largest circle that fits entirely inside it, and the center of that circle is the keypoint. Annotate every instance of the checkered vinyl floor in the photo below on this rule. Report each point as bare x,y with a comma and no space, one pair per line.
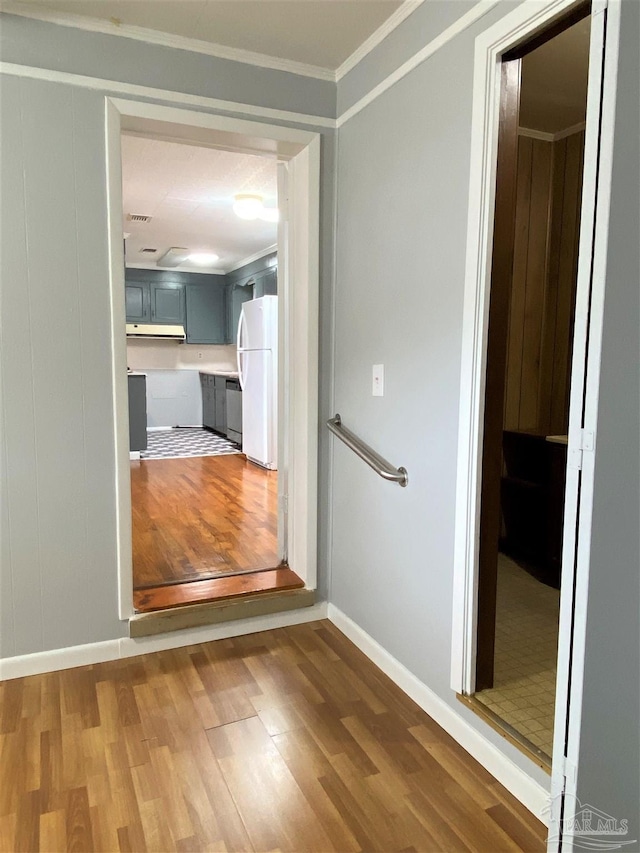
186,441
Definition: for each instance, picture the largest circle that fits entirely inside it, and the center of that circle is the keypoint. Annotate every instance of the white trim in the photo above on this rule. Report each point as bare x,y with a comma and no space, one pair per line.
489,46
513,28
379,35
585,385
157,37
303,301
530,793
118,343
126,647
302,150
180,268
182,98
547,136
531,133
475,13
256,257
569,131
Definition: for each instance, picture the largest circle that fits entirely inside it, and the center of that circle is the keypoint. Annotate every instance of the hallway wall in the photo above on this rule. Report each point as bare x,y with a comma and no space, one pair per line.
403,191
58,579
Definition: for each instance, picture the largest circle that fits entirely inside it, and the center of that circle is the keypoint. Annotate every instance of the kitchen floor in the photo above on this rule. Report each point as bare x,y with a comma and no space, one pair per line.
526,653
202,517
184,442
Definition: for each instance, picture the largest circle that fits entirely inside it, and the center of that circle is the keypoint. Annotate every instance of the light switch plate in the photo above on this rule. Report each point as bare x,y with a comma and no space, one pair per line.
378,380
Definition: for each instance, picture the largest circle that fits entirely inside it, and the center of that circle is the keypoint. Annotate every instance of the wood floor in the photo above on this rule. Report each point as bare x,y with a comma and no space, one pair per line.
288,740
201,517
219,589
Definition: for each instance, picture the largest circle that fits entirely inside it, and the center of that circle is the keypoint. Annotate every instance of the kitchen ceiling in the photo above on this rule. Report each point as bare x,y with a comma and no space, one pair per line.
321,33
189,192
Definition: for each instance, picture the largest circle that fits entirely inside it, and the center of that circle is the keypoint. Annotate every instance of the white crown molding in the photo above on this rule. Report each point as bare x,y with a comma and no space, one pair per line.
547,136
183,99
388,26
126,647
181,268
531,133
569,131
261,254
531,794
468,19
144,34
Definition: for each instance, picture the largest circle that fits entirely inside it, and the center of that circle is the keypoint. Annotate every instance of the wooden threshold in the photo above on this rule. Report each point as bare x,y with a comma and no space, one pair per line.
214,612
507,731
164,597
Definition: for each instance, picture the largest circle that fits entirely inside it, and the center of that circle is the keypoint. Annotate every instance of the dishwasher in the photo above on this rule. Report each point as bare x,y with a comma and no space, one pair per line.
234,411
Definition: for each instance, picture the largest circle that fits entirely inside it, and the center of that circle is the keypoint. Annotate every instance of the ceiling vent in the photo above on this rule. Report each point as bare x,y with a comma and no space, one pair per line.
138,217
148,251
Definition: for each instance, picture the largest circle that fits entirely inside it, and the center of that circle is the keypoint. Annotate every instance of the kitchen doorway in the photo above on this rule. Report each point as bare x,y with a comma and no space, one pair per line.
296,152
201,271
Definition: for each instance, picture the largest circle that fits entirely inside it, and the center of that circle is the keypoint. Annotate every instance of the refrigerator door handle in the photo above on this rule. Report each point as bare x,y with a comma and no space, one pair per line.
239,350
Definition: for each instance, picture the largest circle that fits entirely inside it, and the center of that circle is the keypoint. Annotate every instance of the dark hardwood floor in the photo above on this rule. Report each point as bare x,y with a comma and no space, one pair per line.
287,740
201,517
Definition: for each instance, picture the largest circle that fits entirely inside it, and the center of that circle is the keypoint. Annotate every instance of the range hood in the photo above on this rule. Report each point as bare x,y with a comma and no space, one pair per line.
155,331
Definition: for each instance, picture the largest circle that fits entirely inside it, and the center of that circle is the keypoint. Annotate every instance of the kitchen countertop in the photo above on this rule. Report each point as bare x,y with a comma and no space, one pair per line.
230,374
135,373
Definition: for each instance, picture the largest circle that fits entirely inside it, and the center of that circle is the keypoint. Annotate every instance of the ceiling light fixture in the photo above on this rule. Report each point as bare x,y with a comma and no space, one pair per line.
251,206
203,259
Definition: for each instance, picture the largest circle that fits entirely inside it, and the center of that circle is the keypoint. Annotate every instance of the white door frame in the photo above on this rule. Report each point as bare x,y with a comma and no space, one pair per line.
298,310
514,28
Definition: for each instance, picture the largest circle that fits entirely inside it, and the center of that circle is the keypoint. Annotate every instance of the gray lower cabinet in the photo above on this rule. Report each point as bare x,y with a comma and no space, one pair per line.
137,413
222,405
220,392
208,401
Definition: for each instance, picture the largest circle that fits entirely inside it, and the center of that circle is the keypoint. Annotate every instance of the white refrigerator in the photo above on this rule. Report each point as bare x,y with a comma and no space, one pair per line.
258,374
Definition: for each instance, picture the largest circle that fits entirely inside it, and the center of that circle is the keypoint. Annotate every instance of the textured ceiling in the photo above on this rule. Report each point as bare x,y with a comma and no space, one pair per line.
554,81
189,192
317,32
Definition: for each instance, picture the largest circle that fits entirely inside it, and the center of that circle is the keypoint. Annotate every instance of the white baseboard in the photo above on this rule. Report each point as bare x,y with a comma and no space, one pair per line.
134,455
531,794
126,647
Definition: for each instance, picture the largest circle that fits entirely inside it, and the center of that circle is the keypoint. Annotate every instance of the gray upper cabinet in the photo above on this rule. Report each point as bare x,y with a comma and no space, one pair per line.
206,313
269,283
251,281
238,295
167,303
137,302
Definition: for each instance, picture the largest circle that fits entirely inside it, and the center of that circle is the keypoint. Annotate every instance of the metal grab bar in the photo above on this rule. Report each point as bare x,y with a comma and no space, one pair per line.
373,459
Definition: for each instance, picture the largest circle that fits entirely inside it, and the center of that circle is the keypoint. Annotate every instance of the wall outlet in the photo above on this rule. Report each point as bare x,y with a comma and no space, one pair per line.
199,355
378,380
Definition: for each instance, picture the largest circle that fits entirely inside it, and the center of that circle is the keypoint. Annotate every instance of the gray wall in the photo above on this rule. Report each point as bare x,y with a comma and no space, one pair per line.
610,741
59,514
401,242
58,584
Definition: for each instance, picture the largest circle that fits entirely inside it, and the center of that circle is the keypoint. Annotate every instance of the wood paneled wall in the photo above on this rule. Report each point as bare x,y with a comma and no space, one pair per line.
549,187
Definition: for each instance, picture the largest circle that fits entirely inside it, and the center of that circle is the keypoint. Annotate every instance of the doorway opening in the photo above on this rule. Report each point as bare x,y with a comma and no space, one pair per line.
528,372
201,264
213,473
